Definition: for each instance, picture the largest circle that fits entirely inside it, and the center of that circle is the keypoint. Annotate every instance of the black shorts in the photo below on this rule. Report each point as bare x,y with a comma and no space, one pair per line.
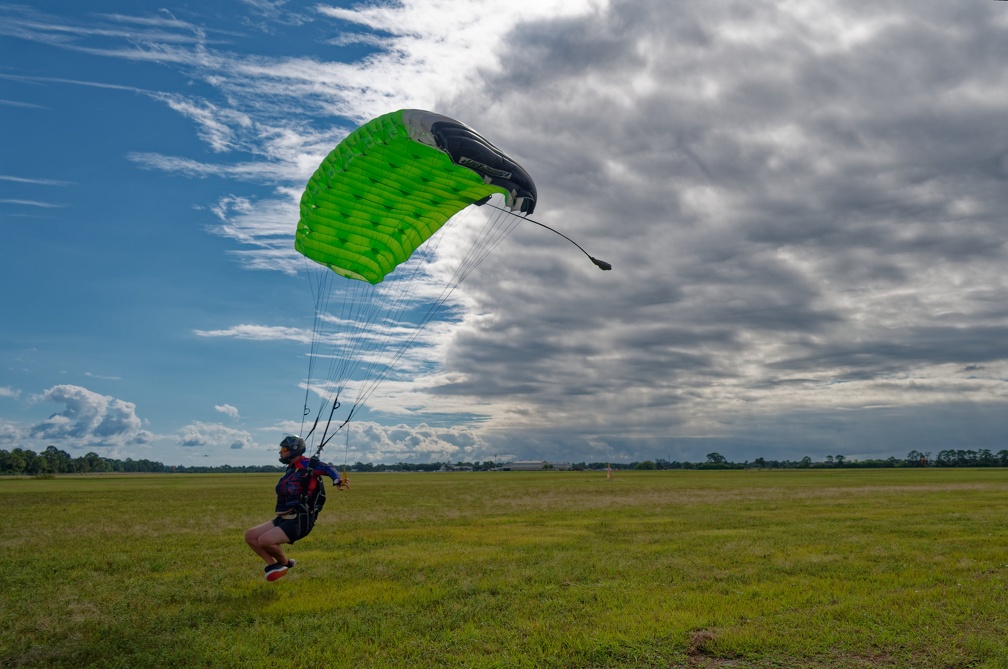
297,527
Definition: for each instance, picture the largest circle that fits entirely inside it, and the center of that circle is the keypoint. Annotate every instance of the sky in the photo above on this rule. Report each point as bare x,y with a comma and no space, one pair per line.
805,204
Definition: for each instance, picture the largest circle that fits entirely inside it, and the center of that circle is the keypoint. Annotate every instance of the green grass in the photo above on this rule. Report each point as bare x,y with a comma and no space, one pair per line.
827,569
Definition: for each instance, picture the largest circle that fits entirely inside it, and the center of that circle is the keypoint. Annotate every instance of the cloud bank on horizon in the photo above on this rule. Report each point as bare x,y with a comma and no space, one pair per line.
804,203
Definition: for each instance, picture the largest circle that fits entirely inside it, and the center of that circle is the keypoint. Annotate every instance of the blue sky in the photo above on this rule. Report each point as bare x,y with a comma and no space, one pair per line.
806,206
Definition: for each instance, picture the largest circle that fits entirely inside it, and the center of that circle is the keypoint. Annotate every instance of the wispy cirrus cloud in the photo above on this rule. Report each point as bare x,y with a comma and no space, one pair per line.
22,105
31,203
36,182
260,333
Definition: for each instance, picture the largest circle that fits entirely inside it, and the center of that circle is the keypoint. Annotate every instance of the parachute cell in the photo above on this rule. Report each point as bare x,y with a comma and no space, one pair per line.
394,182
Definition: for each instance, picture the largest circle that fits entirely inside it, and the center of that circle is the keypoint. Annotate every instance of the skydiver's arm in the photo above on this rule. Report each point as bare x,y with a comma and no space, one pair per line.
330,471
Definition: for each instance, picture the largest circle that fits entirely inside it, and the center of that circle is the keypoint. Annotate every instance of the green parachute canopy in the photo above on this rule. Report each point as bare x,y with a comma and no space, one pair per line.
392,183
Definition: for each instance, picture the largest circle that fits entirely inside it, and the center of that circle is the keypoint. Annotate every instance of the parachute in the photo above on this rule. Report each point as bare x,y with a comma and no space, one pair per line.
386,220
393,183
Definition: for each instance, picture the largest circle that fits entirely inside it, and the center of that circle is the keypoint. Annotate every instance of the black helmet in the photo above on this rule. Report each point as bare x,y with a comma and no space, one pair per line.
295,448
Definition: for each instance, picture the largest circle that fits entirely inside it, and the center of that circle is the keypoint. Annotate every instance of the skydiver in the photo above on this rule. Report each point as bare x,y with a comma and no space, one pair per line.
300,496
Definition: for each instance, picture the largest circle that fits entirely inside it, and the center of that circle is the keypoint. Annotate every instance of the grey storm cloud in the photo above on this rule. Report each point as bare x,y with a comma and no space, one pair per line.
790,196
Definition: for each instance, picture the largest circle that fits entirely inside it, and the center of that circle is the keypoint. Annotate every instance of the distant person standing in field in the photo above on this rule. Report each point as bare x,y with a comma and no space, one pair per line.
300,496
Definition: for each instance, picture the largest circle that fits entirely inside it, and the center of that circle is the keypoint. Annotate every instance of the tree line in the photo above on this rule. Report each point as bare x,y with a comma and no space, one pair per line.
52,460
55,461
945,458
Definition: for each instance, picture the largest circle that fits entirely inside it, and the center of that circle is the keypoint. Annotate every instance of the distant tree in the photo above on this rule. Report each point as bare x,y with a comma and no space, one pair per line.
80,465
97,463
839,460
13,462
805,463
35,464
647,464
760,462
58,461
716,459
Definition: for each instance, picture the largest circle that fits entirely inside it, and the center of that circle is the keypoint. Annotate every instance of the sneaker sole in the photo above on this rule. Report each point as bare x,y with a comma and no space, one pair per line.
275,574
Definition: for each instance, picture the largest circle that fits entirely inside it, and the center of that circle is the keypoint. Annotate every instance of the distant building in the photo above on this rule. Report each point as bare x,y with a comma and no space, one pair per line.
535,465
526,465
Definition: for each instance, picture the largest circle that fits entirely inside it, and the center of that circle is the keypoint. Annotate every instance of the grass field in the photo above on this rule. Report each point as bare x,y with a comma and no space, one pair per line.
813,568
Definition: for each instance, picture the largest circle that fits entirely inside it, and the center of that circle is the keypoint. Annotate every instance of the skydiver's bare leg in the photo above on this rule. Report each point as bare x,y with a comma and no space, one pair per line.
265,540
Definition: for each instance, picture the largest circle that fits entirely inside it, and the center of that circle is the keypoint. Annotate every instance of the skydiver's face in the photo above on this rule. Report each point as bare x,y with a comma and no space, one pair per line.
284,452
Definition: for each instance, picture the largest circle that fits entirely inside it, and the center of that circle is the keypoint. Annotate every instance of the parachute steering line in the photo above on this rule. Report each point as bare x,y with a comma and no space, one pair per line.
601,264
386,220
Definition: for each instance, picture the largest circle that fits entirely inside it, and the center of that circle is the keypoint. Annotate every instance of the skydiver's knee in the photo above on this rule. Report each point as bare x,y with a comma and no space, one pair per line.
252,537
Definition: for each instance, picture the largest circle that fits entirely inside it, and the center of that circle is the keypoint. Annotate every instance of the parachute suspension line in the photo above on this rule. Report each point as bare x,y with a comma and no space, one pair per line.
379,334
354,341
320,295
346,450
369,331
383,336
348,316
495,229
321,288
601,264
384,331
323,441
339,365
494,233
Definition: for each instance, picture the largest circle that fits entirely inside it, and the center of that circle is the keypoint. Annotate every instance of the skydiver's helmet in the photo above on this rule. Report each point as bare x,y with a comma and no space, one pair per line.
290,448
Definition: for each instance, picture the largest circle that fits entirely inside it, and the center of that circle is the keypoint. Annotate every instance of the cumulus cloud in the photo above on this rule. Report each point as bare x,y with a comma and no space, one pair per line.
374,442
227,410
90,419
213,435
11,433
